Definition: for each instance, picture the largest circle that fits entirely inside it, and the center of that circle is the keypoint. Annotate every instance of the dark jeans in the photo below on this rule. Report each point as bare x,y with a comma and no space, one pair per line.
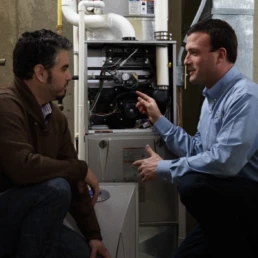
226,210
31,222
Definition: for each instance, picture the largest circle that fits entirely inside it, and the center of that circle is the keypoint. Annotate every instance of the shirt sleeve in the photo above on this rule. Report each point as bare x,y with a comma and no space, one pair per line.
230,151
177,140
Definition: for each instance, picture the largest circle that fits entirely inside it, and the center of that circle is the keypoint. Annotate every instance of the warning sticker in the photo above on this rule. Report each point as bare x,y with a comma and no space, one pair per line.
135,7
141,7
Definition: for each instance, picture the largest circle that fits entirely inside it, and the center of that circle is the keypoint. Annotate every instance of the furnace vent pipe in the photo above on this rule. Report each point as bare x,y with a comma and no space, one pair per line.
161,33
108,21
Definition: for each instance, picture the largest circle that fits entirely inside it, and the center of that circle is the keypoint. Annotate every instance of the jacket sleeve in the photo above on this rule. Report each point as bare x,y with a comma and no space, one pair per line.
81,208
19,161
84,214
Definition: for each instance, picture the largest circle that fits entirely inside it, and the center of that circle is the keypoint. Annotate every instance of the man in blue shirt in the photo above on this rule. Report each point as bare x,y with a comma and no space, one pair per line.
217,168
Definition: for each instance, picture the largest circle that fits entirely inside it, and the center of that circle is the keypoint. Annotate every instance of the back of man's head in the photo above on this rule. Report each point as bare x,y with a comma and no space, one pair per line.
38,47
222,35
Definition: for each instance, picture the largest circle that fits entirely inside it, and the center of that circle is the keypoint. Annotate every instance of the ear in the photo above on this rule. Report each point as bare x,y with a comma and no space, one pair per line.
222,54
40,73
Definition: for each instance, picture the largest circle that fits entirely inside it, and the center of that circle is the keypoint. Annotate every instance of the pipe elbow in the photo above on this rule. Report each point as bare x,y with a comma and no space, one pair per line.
121,23
70,15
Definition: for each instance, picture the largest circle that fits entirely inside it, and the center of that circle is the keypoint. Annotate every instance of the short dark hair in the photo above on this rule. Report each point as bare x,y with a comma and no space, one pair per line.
37,47
221,35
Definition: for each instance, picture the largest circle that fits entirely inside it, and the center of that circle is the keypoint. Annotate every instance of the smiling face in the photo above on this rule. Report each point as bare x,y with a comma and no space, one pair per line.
203,65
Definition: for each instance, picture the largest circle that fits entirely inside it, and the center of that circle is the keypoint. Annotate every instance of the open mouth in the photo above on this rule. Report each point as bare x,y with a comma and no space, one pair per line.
190,72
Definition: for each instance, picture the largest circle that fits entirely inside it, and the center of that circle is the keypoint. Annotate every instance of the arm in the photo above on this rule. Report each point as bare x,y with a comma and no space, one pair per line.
231,148
18,157
177,140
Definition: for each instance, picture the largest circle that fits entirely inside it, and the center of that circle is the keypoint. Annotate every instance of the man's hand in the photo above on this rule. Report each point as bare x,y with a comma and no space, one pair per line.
148,167
92,181
148,106
97,247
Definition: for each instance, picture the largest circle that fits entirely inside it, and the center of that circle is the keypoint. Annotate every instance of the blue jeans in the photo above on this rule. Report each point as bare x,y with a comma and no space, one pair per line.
31,222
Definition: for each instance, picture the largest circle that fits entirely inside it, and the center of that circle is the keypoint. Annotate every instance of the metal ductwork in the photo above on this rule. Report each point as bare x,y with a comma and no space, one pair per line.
240,15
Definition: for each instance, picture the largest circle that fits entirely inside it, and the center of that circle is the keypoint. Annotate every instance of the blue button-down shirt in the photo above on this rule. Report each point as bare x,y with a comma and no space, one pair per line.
226,143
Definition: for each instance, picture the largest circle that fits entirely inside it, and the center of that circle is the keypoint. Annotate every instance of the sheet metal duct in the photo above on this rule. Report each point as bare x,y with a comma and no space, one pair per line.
240,15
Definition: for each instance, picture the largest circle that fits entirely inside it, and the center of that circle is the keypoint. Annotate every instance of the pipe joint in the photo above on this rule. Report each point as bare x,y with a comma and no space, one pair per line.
95,4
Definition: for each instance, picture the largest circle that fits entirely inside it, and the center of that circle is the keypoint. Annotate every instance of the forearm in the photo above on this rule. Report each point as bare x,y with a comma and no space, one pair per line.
84,214
222,161
176,139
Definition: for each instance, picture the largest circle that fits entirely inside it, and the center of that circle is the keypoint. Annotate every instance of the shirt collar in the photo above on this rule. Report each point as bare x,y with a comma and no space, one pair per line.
222,85
46,110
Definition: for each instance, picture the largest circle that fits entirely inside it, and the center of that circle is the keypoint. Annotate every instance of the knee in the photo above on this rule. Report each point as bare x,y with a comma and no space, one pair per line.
58,189
190,187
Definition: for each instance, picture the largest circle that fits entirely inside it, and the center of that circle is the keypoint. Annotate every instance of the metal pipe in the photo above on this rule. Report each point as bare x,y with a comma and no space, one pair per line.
2,61
180,69
59,25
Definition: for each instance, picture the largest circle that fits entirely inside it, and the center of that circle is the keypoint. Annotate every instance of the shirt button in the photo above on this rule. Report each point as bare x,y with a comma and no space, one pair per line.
210,111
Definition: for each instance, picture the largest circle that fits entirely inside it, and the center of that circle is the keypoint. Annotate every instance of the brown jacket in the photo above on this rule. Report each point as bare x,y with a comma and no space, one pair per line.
32,151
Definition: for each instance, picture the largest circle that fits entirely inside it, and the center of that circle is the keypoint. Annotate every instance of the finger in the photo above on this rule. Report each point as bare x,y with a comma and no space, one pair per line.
143,102
94,197
137,163
143,96
149,150
93,253
142,110
104,253
143,177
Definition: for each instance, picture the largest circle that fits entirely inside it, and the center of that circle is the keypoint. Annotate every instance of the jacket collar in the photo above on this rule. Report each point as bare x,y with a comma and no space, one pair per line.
29,101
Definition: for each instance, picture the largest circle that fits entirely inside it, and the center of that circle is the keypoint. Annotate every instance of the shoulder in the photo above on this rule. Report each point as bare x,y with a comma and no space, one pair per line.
243,93
243,85
9,100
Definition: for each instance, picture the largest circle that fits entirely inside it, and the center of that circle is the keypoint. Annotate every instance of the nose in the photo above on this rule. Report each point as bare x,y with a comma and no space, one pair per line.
69,75
186,60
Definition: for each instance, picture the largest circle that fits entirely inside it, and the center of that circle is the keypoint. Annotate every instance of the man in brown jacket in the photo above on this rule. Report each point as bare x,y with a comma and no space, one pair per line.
41,178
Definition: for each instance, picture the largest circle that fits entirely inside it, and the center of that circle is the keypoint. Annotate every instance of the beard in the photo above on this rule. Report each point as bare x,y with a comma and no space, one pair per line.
59,98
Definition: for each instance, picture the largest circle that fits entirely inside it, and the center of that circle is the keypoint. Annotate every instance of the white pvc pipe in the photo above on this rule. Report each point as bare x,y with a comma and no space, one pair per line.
161,24
83,123
75,72
120,23
110,20
161,15
162,66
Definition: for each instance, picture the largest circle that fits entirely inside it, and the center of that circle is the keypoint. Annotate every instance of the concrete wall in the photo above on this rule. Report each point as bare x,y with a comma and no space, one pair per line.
18,16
